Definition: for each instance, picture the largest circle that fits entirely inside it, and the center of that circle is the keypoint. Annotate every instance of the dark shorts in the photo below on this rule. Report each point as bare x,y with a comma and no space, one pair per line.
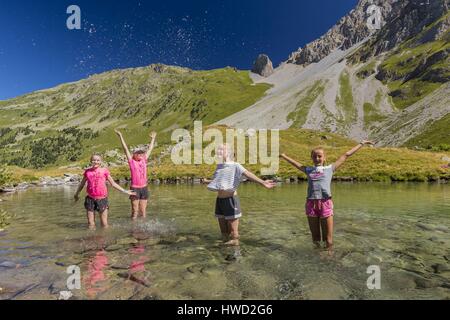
228,208
99,205
141,193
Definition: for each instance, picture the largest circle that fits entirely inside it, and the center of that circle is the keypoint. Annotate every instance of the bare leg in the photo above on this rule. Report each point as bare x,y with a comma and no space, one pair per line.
91,219
327,231
134,209
104,218
143,208
323,227
223,224
233,226
314,226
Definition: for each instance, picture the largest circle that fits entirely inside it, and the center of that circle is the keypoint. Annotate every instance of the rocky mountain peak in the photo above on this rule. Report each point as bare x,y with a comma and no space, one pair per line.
263,66
350,30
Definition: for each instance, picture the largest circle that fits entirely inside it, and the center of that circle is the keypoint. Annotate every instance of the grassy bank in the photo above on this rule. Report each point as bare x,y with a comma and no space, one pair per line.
369,164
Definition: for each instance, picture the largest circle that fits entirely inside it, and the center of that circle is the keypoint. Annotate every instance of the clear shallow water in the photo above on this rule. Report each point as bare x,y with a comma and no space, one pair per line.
177,253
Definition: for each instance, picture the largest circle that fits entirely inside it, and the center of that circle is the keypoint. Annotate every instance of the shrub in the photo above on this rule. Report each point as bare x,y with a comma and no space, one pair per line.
5,175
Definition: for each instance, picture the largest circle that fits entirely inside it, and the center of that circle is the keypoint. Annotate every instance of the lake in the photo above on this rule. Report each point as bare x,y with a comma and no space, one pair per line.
176,253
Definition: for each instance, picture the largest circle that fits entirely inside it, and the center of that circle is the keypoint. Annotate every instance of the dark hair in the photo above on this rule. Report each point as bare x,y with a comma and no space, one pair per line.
140,151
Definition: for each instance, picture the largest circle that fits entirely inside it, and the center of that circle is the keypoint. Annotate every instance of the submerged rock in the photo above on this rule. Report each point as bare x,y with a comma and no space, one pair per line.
9,265
65,295
440,268
423,283
425,227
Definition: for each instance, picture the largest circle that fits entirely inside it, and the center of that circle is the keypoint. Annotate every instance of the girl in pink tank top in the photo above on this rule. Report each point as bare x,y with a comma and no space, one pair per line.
97,193
139,180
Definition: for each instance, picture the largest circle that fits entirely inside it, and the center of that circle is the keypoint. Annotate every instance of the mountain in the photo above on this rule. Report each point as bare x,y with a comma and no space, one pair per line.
390,85
69,122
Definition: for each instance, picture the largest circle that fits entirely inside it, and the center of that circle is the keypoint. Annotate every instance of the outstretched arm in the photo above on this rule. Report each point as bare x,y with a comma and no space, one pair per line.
296,164
152,144
124,145
269,184
349,153
119,188
205,181
80,187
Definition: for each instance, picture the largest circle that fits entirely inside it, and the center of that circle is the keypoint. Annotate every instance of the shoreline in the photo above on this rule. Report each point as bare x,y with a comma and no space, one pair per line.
74,180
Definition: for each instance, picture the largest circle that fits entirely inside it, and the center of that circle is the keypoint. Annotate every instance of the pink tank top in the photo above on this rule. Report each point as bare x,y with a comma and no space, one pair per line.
138,173
96,182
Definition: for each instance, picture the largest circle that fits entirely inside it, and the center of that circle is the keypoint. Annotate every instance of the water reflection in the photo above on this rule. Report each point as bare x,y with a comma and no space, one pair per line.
95,276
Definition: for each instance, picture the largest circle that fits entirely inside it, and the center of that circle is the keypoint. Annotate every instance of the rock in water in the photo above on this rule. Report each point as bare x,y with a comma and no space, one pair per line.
263,66
65,295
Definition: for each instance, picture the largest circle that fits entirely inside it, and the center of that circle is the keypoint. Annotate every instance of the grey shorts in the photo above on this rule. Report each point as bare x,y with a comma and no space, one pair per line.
228,208
98,205
141,193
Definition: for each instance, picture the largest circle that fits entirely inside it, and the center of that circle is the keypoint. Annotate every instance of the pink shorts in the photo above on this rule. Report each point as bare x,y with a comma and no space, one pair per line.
322,208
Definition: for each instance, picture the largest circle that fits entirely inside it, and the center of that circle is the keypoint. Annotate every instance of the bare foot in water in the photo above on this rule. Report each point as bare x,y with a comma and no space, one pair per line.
233,242
328,251
317,244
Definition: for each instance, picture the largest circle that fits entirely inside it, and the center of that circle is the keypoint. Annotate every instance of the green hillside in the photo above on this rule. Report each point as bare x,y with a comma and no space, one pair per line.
370,164
66,123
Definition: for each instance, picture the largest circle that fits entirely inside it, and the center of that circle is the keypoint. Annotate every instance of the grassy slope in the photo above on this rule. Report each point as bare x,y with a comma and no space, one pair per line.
408,83
403,61
437,133
345,100
308,97
136,100
375,164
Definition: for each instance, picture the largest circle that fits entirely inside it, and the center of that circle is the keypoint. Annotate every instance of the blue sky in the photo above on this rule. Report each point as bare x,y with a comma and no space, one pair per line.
37,50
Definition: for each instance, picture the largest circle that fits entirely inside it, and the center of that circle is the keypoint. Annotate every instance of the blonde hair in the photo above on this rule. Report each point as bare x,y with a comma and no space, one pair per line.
317,149
227,152
96,154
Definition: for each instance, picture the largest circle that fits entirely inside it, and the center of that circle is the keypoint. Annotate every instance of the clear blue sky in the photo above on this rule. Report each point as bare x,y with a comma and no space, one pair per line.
37,51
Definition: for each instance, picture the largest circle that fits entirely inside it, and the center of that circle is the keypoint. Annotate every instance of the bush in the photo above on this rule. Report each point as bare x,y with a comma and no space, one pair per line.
5,175
440,147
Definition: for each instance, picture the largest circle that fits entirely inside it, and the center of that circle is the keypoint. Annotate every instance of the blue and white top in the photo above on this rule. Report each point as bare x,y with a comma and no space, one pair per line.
319,182
227,177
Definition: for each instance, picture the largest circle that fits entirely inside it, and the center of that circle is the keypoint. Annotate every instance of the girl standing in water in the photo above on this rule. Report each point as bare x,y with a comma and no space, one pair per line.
227,178
319,204
139,182
97,192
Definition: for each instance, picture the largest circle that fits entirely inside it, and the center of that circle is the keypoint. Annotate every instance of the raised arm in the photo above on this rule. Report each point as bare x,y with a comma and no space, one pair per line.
80,187
152,144
124,145
119,188
269,184
296,164
349,153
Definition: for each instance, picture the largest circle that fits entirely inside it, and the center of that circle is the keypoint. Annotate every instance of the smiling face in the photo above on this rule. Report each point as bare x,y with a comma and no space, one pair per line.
96,161
138,156
224,153
318,157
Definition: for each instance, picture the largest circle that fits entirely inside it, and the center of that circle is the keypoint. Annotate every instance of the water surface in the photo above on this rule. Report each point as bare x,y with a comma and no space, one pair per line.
176,253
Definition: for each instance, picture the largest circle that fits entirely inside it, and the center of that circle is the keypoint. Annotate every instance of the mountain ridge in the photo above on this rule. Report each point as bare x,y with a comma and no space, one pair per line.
389,86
